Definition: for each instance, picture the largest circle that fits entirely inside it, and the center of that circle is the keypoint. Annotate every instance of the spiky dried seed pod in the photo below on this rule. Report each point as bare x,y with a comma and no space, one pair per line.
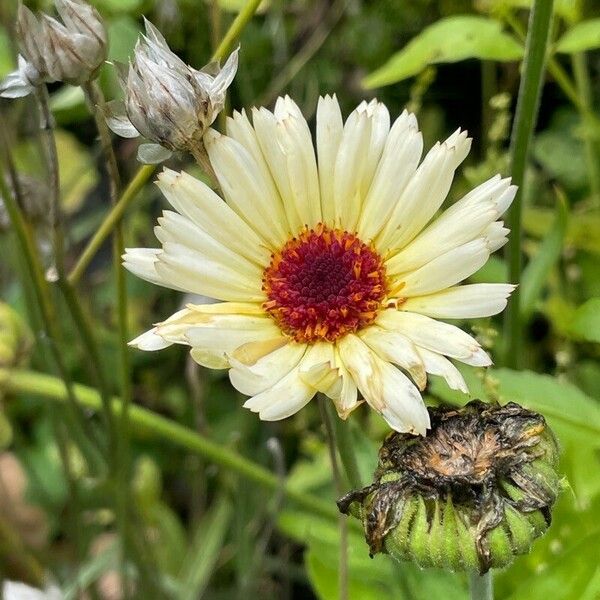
472,494
166,101
71,51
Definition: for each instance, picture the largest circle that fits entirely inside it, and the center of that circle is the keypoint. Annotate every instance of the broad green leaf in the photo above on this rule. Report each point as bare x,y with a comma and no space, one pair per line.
581,37
568,577
583,231
449,40
567,9
586,321
570,412
536,273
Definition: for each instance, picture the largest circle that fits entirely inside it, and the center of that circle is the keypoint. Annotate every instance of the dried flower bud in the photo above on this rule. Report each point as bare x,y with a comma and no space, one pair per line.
470,496
166,101
71,51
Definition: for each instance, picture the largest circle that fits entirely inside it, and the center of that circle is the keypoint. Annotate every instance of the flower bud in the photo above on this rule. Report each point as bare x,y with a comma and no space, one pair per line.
71,51
166,101
471,495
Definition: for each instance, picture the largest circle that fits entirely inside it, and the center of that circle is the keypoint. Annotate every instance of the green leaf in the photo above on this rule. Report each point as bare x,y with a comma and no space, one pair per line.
449,40
581,37
586,321
536,273
570,412
205,549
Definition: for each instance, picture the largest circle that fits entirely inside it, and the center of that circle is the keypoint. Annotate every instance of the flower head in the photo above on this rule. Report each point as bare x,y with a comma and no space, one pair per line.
471,495
166,101
331,269
71,51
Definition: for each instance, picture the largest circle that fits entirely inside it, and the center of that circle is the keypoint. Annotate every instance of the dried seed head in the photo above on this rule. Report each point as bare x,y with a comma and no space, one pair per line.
71,51
166,101
471,495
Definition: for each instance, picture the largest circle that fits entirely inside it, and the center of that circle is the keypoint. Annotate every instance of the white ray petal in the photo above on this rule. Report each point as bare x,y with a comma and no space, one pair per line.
177,229
297,146
351,168
196,201
398,349
245,189
464,302
142,263
399,160
444,271
436,364
182,268
464,221
425,193
330,127
266,372
286,397
436,336
384,387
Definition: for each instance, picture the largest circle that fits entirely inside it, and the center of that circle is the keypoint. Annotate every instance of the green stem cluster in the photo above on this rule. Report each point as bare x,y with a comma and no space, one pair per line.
147,422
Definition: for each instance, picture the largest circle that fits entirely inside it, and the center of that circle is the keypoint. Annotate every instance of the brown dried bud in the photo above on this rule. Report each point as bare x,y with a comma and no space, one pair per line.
472,494
71,51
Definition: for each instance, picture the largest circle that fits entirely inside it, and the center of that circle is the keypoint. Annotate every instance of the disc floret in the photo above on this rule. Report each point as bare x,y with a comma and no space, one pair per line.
323,284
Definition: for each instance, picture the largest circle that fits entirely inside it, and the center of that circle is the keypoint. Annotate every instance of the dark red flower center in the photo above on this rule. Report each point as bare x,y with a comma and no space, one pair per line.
323,284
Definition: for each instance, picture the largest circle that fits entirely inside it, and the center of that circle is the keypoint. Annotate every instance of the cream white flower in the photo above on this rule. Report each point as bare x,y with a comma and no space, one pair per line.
330,266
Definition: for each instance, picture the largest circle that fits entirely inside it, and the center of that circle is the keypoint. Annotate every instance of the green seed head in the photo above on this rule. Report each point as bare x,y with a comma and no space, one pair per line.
473,494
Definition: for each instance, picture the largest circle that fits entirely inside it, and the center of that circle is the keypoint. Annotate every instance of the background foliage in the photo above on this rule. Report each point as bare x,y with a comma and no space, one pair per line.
204,530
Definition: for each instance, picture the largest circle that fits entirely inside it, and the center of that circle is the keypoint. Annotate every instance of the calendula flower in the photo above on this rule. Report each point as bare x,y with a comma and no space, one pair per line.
331,276
71,51
166,101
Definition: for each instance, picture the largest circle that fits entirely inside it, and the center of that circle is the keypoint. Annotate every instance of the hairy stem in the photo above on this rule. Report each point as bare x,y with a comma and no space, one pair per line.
526,115
481,586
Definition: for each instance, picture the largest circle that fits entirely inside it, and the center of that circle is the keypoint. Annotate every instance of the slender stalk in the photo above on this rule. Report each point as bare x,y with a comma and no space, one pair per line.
339,488
146,422
526,115
236,28
96,103
110,221
80,430
482,586
584,90
345,446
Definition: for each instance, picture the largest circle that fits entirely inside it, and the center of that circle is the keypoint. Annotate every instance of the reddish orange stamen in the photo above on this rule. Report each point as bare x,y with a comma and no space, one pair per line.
323,284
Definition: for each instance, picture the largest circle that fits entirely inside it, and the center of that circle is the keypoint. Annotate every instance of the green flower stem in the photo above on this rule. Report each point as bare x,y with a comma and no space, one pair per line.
584,89
236,28
526,115
111,220
328,421
345,446
81,432
145,421
482,586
